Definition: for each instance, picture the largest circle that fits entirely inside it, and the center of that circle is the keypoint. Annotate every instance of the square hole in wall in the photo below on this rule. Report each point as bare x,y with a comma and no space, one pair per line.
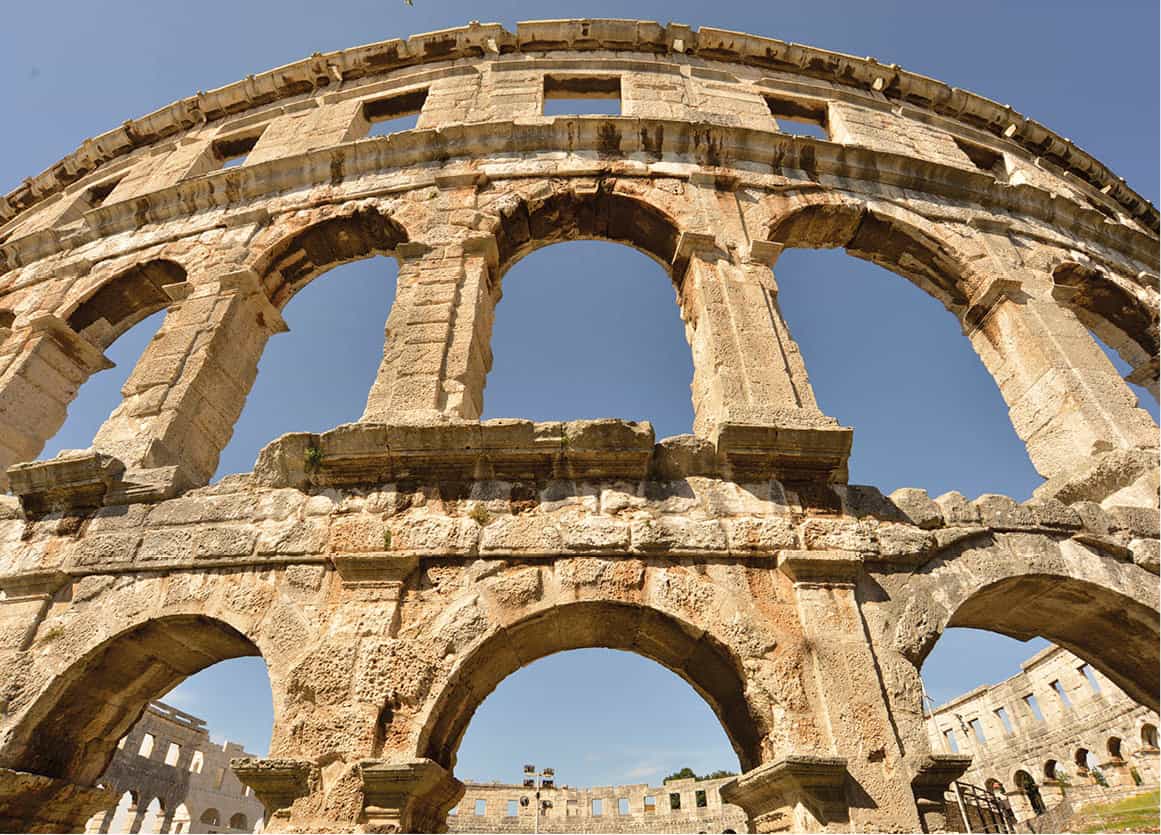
582,95
231,151
622,806
983,158
801,118
394,114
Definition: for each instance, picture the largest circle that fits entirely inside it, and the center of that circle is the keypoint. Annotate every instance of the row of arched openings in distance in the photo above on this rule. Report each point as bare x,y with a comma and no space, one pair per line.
126,818
591,329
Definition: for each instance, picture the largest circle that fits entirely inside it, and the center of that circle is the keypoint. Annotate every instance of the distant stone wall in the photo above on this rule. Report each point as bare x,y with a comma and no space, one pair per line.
629,808
177,780
1088,731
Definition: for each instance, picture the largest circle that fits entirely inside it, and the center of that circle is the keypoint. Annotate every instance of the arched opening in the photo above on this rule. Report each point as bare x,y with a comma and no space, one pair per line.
1114,747
704,663
181,820
1054,771
316,376
1027,785
210,817
71,731
1110,630
590,329
123,814
100,394
1149,736
665,729
152,822
861,355
238,821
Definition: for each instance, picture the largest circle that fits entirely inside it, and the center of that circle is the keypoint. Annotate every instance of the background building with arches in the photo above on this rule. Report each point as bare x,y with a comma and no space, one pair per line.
392,571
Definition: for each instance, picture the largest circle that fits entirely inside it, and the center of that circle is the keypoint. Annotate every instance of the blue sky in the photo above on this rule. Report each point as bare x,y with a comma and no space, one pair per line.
883,357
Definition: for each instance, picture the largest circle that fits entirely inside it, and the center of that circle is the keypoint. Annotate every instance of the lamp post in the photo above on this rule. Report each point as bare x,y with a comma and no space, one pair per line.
537,780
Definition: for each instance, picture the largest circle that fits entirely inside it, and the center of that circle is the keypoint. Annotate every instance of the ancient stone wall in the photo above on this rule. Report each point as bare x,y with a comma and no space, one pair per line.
1061,723
392,571
677,806
168,759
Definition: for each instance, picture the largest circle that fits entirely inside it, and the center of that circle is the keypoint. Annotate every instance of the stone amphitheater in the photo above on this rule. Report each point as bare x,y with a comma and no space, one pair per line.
392,571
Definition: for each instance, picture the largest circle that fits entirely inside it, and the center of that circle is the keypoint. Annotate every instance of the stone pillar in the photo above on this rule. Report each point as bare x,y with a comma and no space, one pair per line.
35,803
412,796
748,373
853,709
1066,401
42,364
188,388
933,778
795,794
436,355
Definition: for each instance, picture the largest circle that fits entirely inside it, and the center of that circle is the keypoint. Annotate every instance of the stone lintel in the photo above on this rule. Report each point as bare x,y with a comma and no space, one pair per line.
693,243
33,584
412,249
65,482
753,452
413,796
461,179
935,772
485,247
36,803
827,568
377,572
277,783
771,793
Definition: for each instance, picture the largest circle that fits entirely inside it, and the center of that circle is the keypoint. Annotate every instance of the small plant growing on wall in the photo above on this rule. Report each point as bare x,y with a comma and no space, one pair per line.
312,458
480,515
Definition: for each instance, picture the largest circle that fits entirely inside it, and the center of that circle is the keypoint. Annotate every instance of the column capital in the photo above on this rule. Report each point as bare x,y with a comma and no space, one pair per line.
66,482
778,796
935,772
248,283
277,783
411,796
764,252
85,354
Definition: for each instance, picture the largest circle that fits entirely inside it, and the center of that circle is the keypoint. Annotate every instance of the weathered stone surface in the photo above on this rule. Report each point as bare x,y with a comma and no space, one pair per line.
392,571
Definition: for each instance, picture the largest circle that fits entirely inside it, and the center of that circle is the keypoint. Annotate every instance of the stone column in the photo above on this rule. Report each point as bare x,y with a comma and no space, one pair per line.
411,796
436,355
854,710
1066,401
42,364
750,387
277,783
35,803
188,388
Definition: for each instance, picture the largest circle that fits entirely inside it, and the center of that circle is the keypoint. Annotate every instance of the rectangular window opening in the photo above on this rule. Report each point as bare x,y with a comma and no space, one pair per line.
982,158
1058,688
674,801
146,749
172,754
1087,671
799,118
650,804
978,729
513,808
699,799
949,738
231,151
622,806
582,95
98,194
481,808
1002,715
394,114
1034,707
598,807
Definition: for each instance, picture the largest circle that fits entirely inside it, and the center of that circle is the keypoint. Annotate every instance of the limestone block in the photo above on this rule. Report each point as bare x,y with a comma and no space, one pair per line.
918,507
957,510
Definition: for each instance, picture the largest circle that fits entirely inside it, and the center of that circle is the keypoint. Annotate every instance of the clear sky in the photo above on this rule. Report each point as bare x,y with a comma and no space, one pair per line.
591,329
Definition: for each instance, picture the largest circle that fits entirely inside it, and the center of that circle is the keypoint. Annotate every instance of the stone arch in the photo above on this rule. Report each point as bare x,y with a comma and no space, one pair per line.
1026,783
70,731
1113,746
1051,769
115,305
295,258
709,666
904,243
1102,610
1149,735
181,820
211,817
1122,320
570,214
